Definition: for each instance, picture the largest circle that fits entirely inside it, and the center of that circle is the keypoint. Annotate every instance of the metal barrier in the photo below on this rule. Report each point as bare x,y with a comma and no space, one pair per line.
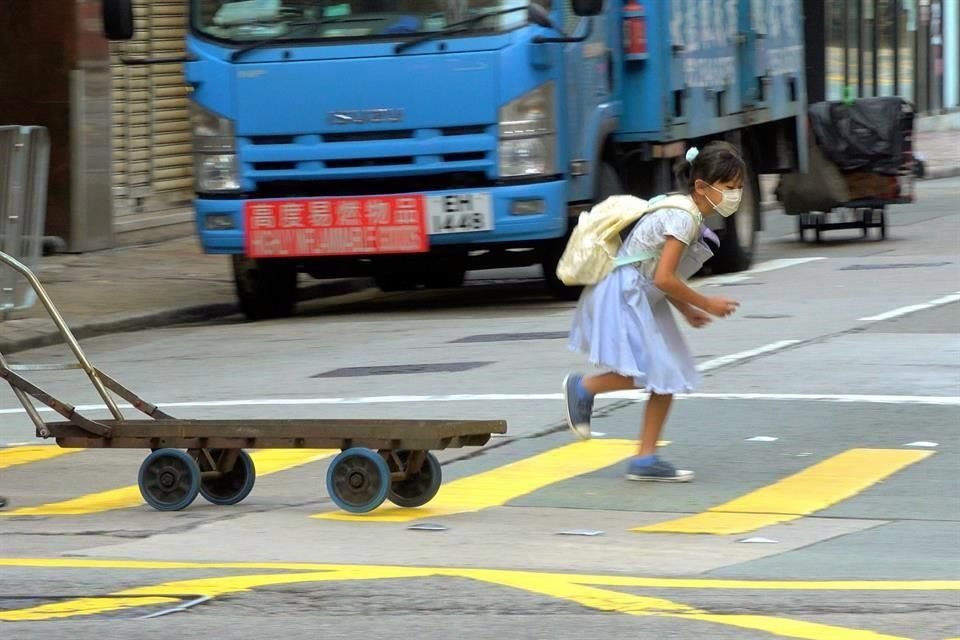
24,166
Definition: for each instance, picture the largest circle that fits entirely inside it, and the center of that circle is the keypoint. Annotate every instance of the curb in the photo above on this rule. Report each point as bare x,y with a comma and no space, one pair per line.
130,322
945,172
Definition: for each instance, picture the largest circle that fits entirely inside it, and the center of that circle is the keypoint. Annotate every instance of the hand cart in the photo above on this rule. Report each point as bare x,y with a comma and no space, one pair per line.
871,193
379,459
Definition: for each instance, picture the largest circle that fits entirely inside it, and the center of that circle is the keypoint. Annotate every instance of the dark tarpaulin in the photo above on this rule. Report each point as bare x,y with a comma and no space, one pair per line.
866,135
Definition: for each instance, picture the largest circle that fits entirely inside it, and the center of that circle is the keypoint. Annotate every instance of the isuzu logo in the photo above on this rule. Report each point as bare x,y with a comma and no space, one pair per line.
366,116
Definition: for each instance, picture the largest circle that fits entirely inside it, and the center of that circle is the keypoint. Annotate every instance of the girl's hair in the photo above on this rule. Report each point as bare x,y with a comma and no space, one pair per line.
716,162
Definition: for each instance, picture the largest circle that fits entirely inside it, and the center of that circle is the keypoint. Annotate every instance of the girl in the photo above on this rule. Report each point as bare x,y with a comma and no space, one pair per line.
624,323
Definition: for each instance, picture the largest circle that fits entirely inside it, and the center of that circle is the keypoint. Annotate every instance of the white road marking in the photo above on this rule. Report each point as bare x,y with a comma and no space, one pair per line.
761,267
940,401
902,311
709,365
781,263
723,361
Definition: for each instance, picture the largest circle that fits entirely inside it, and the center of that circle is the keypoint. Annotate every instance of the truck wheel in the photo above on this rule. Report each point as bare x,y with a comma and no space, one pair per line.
738,237
608,184
265,288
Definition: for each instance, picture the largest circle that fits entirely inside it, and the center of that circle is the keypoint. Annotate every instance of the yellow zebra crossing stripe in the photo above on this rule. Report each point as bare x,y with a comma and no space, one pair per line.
813,489
13,456
498,486
265,462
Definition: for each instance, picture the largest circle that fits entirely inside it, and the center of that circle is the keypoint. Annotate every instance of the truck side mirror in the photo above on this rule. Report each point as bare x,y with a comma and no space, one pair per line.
117,19
586,8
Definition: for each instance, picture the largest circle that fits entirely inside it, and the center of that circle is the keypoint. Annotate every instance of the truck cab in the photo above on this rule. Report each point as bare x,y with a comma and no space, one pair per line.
413,140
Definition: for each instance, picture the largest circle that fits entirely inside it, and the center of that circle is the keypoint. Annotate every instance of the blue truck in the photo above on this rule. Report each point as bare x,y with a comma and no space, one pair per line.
413,140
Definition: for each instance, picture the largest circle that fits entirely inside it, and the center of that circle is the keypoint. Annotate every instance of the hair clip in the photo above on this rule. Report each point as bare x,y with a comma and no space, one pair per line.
692,154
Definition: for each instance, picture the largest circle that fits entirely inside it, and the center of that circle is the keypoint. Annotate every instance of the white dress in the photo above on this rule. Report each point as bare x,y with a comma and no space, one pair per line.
625,324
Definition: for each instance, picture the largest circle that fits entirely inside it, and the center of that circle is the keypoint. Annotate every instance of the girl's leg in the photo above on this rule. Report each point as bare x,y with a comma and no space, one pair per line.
647,466
654,417
578,393
607,382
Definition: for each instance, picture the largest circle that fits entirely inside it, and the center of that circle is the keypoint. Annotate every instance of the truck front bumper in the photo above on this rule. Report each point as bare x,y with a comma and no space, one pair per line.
528,212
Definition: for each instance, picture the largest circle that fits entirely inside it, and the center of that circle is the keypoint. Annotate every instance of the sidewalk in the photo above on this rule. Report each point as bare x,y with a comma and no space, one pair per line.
940,151
133,288
123,289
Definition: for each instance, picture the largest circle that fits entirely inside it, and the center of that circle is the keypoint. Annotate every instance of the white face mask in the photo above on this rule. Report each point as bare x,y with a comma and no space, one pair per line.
730,202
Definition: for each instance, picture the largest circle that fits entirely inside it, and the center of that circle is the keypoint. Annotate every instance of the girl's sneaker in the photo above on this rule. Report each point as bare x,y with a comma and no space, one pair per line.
656,471
579,406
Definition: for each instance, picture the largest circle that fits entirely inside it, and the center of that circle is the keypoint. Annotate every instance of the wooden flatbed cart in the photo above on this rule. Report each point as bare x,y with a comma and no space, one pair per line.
379,459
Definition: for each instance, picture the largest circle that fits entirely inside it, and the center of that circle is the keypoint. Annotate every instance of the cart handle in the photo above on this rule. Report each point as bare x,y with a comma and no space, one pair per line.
67,335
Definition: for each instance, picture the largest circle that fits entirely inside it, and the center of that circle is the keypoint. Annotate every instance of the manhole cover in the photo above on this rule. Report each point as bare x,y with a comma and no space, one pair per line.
902,265
513,337
401,369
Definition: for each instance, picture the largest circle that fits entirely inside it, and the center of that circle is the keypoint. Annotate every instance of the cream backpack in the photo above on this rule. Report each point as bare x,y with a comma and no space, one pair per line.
591,252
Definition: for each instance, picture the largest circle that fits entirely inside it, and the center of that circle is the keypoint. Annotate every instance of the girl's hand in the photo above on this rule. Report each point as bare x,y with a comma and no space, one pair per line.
720,307
696,318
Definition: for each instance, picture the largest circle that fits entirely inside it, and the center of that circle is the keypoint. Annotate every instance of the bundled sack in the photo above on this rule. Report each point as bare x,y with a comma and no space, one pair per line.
822,188
591,252
865,135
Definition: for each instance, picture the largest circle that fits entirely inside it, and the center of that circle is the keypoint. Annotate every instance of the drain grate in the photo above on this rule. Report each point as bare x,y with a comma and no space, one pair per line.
902,265
401,369
513,337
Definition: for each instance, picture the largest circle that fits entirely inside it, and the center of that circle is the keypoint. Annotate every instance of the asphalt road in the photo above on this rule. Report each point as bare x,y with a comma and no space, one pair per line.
825,440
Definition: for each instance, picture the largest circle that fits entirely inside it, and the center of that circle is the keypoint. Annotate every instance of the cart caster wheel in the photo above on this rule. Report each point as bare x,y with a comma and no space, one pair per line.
419,489
169,480
232,487
358,480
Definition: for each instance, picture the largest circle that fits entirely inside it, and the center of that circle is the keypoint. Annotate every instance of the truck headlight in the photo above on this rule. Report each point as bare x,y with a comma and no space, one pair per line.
528,134
214,152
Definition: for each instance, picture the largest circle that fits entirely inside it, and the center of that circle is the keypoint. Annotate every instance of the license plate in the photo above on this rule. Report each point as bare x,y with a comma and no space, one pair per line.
336,226
459,213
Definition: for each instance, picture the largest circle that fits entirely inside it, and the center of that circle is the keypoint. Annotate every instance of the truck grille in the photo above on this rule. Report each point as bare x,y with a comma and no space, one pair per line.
375,154
370,186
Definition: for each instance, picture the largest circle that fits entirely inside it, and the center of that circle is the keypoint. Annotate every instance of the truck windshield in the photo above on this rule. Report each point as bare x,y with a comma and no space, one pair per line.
247,20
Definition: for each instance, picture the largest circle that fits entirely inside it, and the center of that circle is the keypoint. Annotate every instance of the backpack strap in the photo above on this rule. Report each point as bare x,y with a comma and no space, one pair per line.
677,201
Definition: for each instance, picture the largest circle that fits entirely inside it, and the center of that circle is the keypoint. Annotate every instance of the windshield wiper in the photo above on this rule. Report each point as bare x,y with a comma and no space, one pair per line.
456,27
297,28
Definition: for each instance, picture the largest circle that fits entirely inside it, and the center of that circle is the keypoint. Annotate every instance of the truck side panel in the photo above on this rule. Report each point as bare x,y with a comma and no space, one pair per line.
712,67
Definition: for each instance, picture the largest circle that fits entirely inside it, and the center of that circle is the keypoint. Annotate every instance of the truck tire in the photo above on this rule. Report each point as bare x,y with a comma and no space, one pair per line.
608,184
266,289
738,237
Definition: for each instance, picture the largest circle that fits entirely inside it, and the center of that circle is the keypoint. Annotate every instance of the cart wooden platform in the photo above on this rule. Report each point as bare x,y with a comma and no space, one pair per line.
379,459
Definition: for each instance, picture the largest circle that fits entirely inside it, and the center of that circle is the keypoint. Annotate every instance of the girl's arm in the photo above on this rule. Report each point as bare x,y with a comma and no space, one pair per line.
679,305
665,278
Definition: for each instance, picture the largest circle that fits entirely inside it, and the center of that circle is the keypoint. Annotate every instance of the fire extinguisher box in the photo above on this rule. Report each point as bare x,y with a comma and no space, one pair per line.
634,31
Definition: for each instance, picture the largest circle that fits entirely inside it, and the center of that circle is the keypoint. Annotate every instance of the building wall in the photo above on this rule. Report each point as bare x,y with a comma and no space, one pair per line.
36,90
884,47
951,56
